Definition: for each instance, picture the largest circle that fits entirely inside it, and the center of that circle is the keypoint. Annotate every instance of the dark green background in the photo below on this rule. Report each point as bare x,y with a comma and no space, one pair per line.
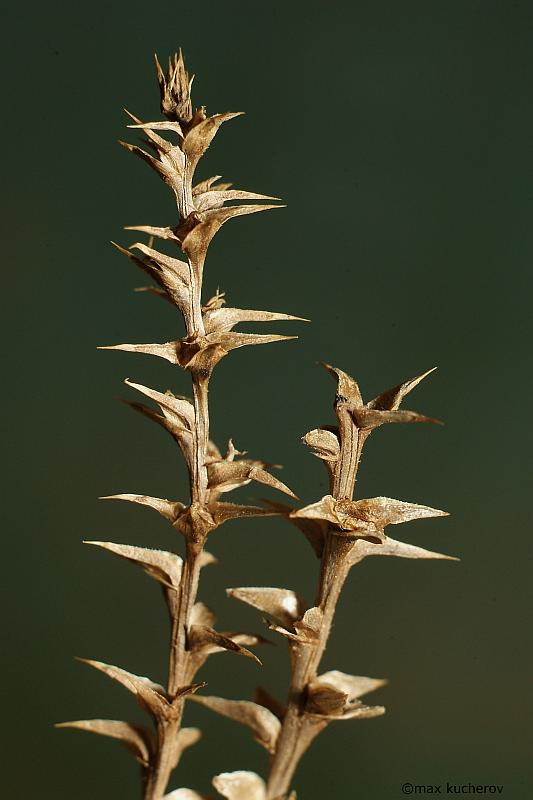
400,135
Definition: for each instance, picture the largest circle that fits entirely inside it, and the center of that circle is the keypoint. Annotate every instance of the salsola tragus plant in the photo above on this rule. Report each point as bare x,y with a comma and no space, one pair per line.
342,531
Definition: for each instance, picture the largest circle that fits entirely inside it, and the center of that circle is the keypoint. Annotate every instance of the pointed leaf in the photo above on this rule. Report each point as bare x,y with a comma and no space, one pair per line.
391,547
150,694
231,341
324,443
172,275
167,508
205,638
166,350
369,419
224,319
264,725
283,605
133,737
385,511
353,686
358,710
150,127
227,475
165,567
200,137
391,399
161,169
216,197
182,435
347,387
161,125
240,785
173,270
175,408
204,186
222,512
196,241
365,518
161,233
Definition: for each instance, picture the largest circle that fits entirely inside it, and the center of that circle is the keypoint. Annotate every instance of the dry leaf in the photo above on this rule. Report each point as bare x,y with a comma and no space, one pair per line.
222,512
283,605
133,737
167,508
216,197
391,399
240,785
177,409
172,275
205,640
335,695
264,725
196,238
173,420
224,476
222,320
150,695
324,443
353,686
165,567
200,136
383,408
365,518
391,547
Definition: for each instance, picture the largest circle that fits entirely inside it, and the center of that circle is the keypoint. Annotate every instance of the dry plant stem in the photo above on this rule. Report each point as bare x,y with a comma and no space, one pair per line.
334,570
159,776
160,772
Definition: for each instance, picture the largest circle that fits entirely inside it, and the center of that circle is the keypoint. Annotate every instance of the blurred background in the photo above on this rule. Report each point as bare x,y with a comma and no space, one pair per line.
399,135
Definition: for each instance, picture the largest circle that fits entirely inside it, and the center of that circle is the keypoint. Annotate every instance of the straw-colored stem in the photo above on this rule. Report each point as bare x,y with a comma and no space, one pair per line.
181,606
334,569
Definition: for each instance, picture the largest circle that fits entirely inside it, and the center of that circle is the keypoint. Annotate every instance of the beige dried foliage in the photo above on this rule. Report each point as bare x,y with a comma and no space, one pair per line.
164,567
264,725
240,785
136,739
342,530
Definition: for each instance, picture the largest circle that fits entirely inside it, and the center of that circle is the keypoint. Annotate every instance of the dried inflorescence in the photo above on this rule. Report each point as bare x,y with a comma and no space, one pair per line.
341,530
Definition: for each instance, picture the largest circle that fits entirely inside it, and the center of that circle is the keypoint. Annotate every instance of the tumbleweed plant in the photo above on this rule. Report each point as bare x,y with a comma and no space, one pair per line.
342,531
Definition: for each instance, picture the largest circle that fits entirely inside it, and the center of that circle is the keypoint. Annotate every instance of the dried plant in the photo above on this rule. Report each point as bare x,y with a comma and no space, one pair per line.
341,530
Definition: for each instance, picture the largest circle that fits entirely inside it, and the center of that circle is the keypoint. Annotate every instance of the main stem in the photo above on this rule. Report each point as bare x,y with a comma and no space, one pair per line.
292,741
182,602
